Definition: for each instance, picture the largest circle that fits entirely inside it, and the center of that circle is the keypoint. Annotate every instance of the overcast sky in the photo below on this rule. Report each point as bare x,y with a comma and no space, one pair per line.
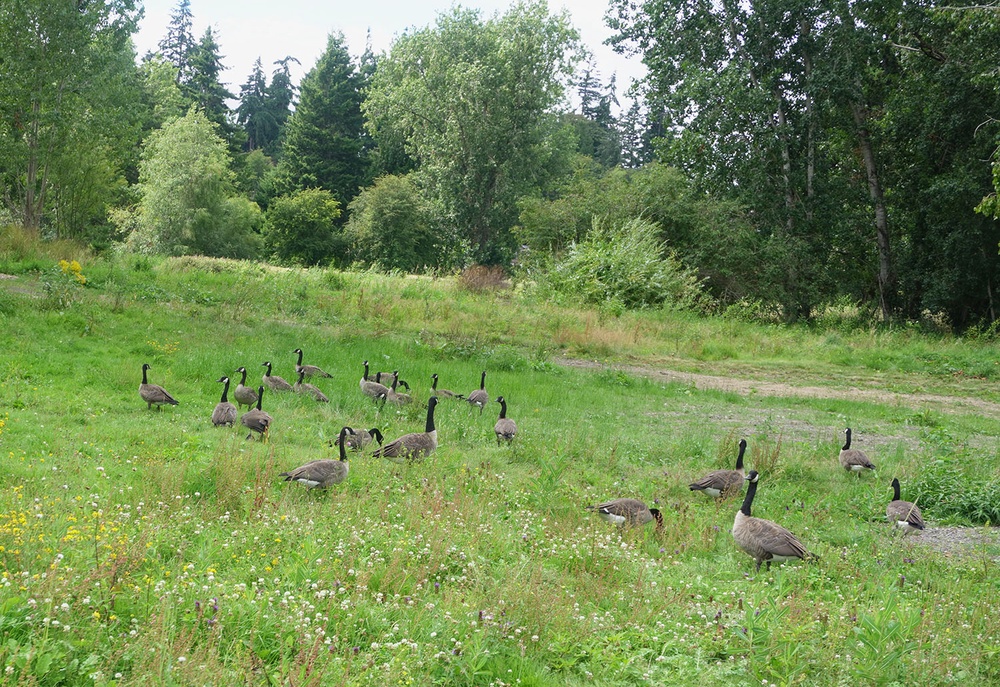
248,29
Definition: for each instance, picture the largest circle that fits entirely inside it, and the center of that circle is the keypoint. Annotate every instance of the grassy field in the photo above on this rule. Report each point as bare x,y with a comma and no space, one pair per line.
148,547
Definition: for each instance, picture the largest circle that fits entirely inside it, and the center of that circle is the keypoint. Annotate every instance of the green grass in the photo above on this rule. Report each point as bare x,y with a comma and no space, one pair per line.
147,547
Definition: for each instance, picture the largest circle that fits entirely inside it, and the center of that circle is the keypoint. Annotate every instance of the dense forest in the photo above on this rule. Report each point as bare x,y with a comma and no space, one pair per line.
778,159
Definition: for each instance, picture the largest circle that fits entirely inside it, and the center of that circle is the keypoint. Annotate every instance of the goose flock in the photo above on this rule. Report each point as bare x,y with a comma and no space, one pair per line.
763,540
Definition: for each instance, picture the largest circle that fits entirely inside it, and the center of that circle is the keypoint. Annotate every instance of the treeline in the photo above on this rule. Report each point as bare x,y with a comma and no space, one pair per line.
776,159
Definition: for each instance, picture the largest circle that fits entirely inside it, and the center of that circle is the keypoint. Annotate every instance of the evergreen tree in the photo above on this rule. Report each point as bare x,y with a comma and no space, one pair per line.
325,139
179,43
278,99
251,113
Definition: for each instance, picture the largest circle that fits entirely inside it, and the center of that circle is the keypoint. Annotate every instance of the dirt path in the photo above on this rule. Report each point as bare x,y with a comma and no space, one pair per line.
745,387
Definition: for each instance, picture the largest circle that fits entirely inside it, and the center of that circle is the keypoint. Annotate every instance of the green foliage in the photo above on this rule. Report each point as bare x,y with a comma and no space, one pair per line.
948,489
626,264
301,228
472,101
392,225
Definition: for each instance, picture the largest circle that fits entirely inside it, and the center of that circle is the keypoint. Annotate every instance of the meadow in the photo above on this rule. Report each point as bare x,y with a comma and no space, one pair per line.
148,547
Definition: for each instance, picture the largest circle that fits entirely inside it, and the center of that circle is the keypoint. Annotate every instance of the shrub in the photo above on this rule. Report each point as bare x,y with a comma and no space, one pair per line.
948,492
300,228
627,264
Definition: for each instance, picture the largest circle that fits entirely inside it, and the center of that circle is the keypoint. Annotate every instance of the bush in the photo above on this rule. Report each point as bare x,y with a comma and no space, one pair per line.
945,490
300,228
627,265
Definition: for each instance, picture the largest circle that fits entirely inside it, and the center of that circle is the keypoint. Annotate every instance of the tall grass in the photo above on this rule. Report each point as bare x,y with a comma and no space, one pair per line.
145,547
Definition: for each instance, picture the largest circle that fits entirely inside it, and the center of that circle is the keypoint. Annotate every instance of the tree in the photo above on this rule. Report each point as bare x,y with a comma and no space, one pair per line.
207,92
178,45
474,102
325,143
251,113
301,228
185,185
68,88
392,225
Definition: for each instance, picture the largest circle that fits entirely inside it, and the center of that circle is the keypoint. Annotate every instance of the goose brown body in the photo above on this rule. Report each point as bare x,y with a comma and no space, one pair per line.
479,397
627,513
256,420
414,446
443,393
244,395
765,541
903,514
720,483
274,382
853,460
361,438
302,387
320,474
225,412
372,388
154,394
505,428
308,370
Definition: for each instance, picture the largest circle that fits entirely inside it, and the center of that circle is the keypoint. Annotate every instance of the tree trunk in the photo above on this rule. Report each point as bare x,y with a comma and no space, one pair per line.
886,278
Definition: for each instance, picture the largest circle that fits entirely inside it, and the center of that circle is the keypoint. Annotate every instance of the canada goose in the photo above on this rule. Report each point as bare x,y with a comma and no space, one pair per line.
903,514
307,388
361,438
310,370
627,513
274,382
505,427
722,482
244,395
386,378
852,459
225,412
764,540
319,474
372,388
479,397
415,446
154,394
443,393
395,396
257,420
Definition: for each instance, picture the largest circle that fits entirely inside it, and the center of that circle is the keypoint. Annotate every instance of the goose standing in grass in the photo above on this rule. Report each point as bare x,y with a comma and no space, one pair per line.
853,460
479,397
763,540
505,427
627,513
274,382
415,446
361,438
903,514
225,412
319,474
154,394
443,393
302,387
309,370
723,482
372,388
244,395
257,420
397,397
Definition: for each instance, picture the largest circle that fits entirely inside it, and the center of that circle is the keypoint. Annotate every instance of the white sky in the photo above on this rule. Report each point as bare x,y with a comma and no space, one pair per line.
247,29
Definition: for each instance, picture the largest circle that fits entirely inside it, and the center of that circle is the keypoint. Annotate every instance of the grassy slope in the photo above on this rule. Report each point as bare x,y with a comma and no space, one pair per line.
155,548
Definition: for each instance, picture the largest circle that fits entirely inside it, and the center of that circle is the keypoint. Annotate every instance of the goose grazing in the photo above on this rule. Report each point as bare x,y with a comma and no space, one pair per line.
372,388
302,387
225,412
319,474
415,446
479,397
154,394
505,427
395,396
723,482
764,540
443,393
274,382
257,420
852,459
903,514
244,395
361,438
627,513
309,370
